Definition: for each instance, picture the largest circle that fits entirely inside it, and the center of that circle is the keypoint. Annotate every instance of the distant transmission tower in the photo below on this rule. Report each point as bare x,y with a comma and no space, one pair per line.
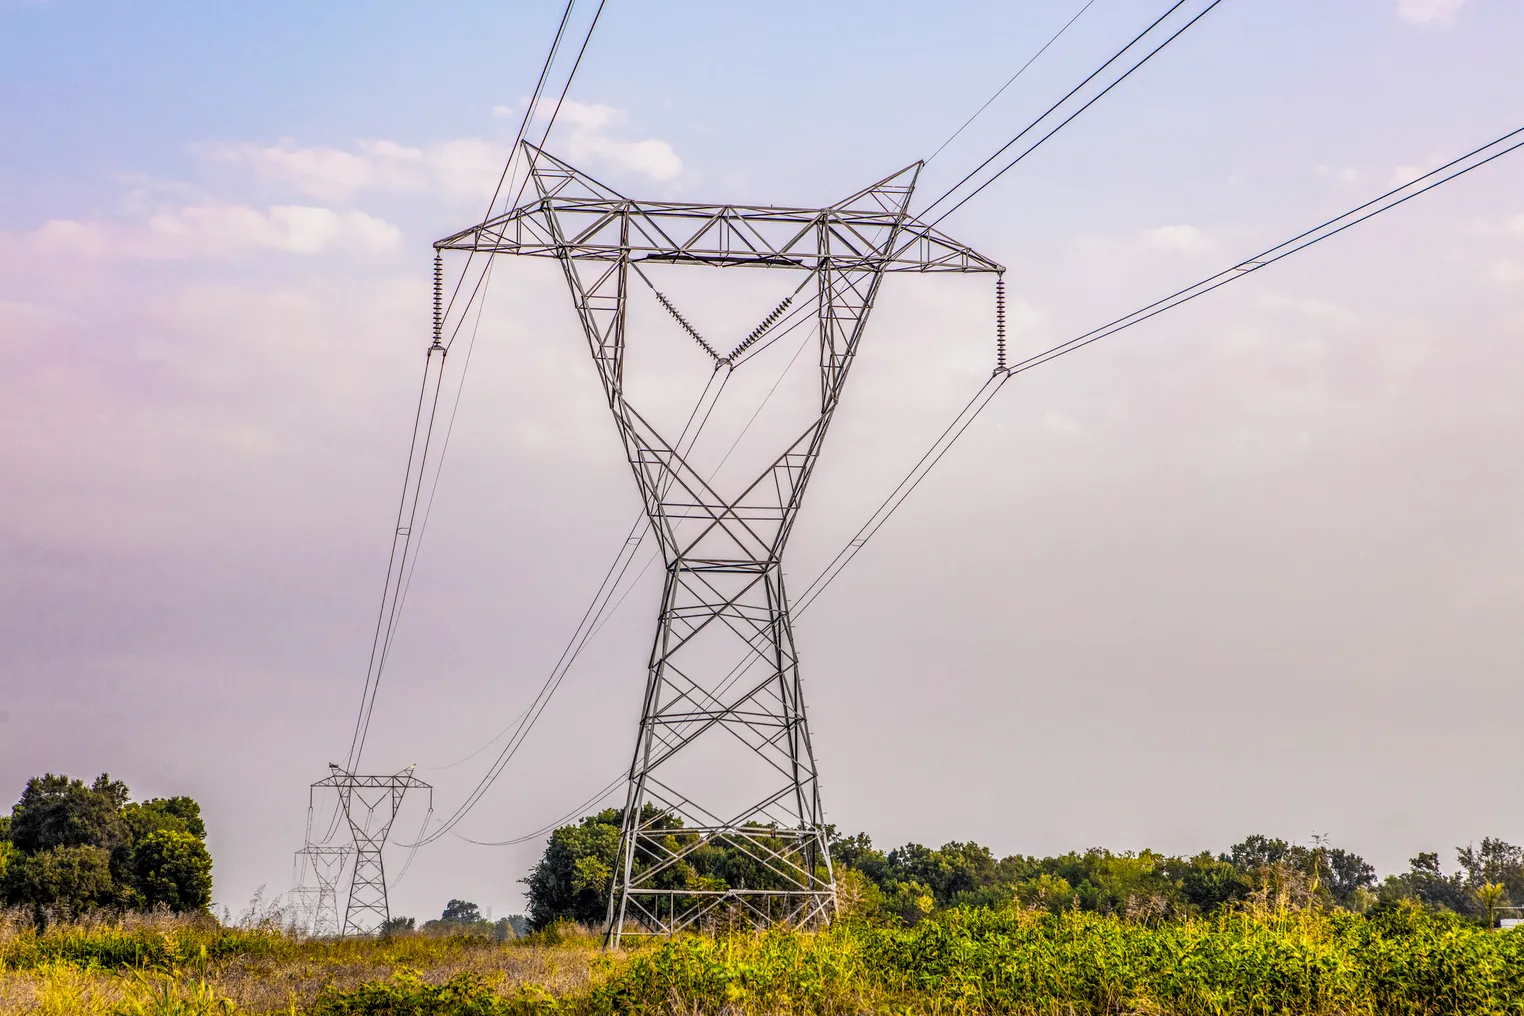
370,805
319,905
304,899
724,597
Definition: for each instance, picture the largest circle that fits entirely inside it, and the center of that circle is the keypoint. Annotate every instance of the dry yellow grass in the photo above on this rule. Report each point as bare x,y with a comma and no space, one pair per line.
275,973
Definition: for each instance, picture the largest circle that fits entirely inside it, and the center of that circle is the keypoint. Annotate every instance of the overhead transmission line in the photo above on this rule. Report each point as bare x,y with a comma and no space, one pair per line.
403,557
1056,109
965,417
1008,82
628,548
1472,160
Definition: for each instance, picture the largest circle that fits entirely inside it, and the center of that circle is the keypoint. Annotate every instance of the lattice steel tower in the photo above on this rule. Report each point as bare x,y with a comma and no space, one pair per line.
724,596
319,904
370,806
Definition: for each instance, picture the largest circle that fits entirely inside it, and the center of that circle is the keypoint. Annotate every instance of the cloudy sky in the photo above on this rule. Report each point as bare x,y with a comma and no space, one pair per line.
1254,566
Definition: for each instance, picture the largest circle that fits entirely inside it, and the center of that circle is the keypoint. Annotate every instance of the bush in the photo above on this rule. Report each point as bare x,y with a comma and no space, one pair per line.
407,994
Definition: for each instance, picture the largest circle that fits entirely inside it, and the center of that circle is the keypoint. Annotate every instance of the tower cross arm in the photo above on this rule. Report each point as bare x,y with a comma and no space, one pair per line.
606,228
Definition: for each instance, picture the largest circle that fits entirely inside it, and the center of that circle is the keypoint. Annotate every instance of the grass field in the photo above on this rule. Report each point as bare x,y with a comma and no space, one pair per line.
1255,961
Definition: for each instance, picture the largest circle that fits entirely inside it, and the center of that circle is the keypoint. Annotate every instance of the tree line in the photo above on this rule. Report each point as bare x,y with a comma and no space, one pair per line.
67,848
572,879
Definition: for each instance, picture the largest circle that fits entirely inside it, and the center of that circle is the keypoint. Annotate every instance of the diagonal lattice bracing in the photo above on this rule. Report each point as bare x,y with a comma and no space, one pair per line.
722,819
318,905
370,805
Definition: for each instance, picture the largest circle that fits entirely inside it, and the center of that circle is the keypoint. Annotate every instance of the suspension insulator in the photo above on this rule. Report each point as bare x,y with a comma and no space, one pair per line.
692,332
761,330
1000,323
438,297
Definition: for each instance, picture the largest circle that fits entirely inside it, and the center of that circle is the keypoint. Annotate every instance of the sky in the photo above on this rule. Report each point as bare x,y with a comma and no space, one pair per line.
1251,567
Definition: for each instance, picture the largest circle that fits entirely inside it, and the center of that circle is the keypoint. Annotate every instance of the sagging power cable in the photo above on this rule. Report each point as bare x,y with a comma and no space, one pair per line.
965,417
1009,81
1146,33
397,580
1451,170
1057,108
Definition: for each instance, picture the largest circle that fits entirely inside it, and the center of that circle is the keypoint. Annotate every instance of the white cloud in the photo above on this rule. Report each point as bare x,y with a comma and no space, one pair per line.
215,229
1507,272
1178,238
1309,307
465,168
1344,175
1422,12
327,173
588,139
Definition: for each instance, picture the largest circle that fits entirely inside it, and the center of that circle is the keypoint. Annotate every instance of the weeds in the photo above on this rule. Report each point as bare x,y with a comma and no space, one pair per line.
1267,957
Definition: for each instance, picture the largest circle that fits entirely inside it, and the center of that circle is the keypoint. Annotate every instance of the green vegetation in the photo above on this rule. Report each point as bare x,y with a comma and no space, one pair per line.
68,849
110,918
1260,958
571,881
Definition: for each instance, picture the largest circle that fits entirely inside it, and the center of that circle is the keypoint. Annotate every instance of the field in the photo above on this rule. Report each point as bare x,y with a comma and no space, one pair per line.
1010,960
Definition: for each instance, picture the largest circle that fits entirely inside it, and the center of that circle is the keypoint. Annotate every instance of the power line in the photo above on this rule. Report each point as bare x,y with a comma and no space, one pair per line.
381,644
1059,104
965,417
1009,82
1472,160
554,681
585,627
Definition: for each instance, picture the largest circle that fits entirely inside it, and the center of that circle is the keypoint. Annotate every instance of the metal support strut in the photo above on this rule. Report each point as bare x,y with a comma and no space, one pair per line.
722,818
370,805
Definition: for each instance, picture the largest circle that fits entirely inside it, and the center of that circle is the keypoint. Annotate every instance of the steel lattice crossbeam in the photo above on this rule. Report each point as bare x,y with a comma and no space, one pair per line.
724,595
574,216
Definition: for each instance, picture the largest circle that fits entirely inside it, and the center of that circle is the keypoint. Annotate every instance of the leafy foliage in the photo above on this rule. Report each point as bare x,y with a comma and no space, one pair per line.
572,880
407,994
71,848
1012,960
173,868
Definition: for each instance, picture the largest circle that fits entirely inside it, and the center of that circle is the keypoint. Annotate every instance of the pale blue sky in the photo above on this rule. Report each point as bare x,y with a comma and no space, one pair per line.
1254,568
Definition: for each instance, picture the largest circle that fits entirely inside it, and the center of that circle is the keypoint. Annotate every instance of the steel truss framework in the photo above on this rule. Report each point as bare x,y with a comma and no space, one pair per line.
318,905
723,552
370,806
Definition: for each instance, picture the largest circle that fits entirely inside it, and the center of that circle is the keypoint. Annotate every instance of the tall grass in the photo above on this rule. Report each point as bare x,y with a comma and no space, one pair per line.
1257,961
139,942
1017,961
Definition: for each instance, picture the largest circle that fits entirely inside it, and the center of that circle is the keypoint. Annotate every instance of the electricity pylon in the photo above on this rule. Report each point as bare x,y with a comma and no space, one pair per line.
724,595
370,806
319,904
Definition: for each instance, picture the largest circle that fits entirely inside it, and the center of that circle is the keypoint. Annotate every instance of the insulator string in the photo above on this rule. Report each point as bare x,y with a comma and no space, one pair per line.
438,297
999,322
761,330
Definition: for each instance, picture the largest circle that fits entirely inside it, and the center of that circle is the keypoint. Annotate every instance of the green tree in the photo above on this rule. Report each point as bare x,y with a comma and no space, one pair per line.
1491,897
176,814
65,881
1494,861
461,912
572,879
173,869
1425,883
55,811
